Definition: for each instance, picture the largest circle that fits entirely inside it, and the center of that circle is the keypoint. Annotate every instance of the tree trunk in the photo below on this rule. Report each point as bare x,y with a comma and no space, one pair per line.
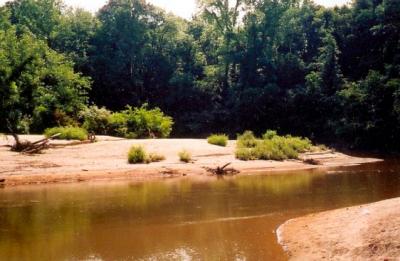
14,134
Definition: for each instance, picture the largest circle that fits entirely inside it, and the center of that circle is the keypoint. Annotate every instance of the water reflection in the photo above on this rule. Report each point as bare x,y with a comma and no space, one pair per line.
229,219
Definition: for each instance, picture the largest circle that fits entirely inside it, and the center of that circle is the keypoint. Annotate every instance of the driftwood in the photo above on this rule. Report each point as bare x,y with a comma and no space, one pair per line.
312,161
221,171
38,146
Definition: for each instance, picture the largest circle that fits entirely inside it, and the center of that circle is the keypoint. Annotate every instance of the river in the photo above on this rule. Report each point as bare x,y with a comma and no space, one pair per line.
232,218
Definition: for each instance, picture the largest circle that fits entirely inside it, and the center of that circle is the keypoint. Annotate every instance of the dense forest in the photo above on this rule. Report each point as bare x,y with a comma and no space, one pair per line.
331,74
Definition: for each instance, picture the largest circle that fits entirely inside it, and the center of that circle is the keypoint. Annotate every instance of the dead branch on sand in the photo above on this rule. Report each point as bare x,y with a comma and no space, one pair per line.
222,171
37,146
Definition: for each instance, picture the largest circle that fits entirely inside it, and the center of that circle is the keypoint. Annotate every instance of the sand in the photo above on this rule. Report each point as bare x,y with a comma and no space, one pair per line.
367,232
107,160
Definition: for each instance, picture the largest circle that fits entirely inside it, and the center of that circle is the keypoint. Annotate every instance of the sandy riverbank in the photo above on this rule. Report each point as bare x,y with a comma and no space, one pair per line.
367,232
107,160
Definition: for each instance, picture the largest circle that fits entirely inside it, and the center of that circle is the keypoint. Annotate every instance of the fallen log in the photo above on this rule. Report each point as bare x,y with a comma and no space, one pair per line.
38,146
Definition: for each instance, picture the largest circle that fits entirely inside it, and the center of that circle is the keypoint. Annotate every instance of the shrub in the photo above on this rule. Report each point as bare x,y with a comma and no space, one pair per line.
67,133
284,149
218,139
245,154
185,156
95,119
269,134
247,140
137,155
146,123
118,124
130,123
299,144
271,147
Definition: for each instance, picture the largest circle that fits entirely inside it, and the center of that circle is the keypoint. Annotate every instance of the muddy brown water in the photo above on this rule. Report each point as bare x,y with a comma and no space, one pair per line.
184,219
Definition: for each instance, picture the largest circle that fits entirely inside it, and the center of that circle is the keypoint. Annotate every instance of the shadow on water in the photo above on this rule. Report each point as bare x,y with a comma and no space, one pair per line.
219,219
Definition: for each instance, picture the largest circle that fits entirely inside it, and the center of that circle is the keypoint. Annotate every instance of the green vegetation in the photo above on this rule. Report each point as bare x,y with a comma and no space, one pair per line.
138,155
185,156
218,139
67,133
247,140
327,73
271,147
131,123
96,119
154,157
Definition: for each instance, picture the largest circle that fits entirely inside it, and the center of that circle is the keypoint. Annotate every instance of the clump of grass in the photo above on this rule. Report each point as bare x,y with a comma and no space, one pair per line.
67,133
185,156
138,155
154,157
271,147
218,139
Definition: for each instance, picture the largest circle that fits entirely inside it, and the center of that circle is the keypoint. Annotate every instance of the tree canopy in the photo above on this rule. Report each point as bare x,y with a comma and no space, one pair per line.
332,74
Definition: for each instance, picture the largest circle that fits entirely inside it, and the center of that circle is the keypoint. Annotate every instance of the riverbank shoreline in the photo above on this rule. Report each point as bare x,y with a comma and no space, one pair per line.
107,160
365,232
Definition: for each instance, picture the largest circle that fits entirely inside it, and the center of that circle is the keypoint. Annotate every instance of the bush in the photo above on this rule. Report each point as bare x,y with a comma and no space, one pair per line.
271,147
185,156
218,139
131,123
245,154
96,119
299,144
118,125
147,123
67,133
138,155
269,134
247,140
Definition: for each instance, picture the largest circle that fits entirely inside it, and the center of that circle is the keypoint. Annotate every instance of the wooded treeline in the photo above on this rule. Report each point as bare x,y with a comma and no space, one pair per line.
332,74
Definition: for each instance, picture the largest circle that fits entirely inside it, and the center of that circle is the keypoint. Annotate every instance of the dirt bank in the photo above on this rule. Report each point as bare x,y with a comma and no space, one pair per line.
107,159
368,232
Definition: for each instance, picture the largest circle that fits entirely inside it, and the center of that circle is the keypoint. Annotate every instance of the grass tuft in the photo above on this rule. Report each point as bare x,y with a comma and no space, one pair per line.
67,133
154,157
137,155
185,156
218,139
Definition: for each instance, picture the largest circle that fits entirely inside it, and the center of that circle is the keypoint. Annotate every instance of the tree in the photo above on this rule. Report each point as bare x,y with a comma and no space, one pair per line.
36,84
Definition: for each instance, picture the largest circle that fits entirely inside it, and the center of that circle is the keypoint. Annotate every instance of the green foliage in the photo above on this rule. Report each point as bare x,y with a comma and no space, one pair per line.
271,147
246,154
146,123
39,87
327,73
247,140
138,155
269,134
131,123
185,156
218,139
67,133
96,119
117,125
